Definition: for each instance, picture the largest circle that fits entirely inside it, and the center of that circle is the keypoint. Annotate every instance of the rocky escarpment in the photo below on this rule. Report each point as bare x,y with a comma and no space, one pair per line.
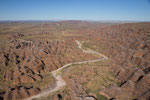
128,46
26,62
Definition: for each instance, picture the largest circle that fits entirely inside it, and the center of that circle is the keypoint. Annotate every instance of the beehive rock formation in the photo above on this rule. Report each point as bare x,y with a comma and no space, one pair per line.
128,46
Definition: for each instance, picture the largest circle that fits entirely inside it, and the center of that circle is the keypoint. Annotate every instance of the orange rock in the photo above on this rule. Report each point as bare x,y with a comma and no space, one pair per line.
26,79
33,91
139,53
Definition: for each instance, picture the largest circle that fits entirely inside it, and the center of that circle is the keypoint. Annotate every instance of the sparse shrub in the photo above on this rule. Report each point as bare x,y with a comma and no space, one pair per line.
101,97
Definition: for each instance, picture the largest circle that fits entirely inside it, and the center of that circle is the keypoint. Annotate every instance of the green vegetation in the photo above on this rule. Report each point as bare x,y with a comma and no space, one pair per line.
101,97
3,41
118,84
138,66
93,76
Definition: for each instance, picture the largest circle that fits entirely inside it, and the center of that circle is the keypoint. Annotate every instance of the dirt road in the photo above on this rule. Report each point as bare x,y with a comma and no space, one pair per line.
56,74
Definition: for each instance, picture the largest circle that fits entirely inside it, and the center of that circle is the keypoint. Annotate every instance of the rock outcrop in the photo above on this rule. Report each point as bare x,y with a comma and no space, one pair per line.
25,62
128,46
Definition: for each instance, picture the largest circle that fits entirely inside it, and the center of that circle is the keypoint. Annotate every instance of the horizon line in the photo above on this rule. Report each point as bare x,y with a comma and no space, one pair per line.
54,20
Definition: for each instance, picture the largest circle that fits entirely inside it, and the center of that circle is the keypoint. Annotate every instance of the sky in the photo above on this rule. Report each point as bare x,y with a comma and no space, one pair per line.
110,10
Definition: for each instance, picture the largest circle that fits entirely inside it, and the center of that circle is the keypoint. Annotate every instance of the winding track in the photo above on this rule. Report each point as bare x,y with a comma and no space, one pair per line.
59,81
